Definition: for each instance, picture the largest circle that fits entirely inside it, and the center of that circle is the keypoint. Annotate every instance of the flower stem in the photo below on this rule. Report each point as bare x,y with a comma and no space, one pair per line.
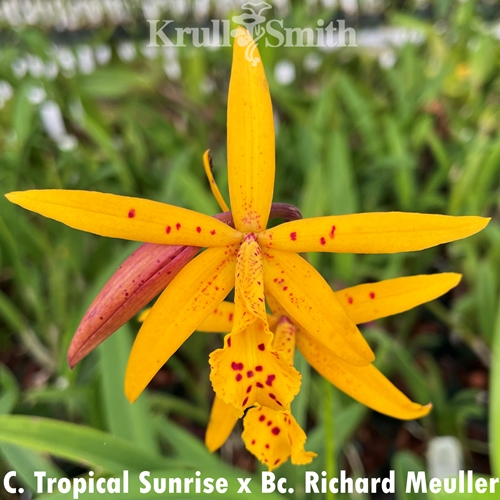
330,460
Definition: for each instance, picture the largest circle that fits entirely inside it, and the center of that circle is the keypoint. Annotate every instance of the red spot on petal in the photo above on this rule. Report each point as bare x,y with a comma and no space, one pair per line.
322,241
249,388
237,366
261,347
350,300
293,236
275,430
212,232
277,461
249,373
269,423
259,385
267,446
285,288
229,342
168,229
262,418
239,377
245,401
372,295
253,441
261,299
332,232
272,396
270,379
230,316
258,368
177,226
131,213
198,229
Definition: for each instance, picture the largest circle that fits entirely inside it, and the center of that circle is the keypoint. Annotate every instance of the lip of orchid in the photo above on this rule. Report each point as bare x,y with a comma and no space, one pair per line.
141,277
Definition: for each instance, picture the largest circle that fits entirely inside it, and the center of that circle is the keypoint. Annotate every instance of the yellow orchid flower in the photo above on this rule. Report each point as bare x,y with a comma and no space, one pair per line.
274,436
247,257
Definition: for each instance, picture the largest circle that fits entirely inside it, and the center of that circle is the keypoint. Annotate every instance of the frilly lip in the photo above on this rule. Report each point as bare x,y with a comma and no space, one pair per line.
140,278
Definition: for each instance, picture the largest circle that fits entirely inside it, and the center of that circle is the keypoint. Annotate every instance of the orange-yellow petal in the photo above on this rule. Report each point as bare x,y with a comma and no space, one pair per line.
388,232
366,384
128,218
250,138
284,339
221,319
223,418
207,165
311,303
377,300
249,284
191,296
274,436
143,315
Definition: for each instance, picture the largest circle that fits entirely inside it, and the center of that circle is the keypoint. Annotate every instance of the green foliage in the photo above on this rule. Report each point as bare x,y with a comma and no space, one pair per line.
353,135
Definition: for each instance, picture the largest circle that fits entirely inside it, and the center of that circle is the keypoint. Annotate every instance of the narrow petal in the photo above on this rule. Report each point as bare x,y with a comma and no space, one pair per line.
371,301
311,303
223,418
284,339
274,436
207,165
221,319
250,137
249,287
191,296
388,232
144,314
366,384
128,218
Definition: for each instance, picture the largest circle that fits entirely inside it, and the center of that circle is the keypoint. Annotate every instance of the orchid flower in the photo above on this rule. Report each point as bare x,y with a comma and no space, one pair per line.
274,436
248,258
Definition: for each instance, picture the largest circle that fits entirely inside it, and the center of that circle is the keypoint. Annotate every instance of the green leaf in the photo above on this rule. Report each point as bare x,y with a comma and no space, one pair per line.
403,463
26,462
113,82
23,115
78,443
128,421
10,391
185,445
495,399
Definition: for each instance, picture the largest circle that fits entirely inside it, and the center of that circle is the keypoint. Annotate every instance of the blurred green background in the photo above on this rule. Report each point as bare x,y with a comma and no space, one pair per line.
377,127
